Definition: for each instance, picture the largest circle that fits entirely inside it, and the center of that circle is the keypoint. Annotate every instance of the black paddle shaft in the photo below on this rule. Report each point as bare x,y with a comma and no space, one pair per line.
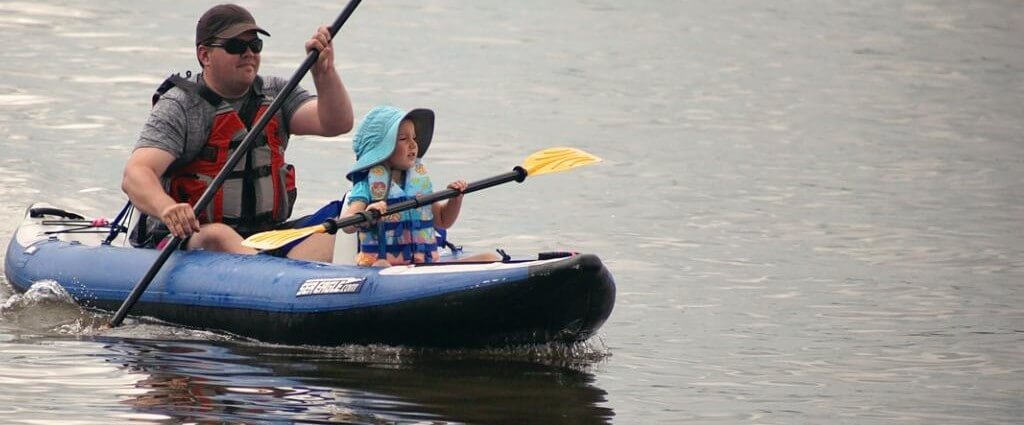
518,174
242,150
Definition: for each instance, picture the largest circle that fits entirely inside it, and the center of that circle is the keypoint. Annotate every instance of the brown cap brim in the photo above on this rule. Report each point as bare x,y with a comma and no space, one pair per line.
239,29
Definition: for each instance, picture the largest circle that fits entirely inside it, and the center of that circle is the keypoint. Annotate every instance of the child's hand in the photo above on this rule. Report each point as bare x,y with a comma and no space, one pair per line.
381,207
381,263
459,185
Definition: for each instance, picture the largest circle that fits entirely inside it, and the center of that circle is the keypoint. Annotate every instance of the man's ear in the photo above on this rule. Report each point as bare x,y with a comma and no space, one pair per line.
203,55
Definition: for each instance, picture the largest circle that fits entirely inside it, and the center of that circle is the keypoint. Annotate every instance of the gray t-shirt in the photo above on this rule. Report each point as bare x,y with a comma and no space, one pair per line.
180,123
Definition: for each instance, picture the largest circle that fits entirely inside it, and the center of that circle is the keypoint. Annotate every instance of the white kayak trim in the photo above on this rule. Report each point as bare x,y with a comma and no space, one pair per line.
460,268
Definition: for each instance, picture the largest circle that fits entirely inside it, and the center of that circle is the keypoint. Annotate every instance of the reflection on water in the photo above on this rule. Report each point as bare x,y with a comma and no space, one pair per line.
183,381
312,386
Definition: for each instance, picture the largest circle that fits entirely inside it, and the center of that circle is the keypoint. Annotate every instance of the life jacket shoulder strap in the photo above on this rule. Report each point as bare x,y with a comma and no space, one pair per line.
379,177
186,84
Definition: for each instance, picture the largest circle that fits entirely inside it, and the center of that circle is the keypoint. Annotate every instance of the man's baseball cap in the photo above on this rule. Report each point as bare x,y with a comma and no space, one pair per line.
225,21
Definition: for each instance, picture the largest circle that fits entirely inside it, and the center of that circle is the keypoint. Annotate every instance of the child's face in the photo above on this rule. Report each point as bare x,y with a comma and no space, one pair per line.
406,149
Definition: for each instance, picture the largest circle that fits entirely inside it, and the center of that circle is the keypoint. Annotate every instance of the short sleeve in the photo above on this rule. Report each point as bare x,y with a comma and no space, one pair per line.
165,129
360,192
293,102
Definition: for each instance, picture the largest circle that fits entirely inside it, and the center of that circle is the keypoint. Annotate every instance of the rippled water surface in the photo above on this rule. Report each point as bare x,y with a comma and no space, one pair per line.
813,210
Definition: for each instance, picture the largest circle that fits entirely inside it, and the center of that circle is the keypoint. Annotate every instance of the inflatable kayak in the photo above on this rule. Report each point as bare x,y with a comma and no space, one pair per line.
553,297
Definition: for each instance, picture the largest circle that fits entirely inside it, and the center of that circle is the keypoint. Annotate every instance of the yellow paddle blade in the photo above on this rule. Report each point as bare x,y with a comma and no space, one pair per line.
553,160
275,239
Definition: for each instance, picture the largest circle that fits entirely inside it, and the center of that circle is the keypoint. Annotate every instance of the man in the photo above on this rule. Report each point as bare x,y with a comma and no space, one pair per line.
196,123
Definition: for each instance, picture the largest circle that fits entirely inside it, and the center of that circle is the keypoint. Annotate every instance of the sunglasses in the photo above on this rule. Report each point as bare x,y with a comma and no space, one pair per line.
237,46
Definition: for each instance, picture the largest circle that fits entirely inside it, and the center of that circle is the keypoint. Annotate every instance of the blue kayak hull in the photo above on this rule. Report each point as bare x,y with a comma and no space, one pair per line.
299,302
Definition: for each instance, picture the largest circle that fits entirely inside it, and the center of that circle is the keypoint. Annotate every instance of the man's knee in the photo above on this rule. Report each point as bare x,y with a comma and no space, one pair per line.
216,237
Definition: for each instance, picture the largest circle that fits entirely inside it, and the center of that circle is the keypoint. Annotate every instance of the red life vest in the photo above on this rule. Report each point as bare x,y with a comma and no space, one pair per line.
260,192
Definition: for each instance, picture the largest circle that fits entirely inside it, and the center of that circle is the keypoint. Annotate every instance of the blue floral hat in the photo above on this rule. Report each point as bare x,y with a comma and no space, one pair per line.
375,138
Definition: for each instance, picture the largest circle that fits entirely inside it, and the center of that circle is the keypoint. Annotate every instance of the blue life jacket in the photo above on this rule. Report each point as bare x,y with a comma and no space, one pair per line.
405,237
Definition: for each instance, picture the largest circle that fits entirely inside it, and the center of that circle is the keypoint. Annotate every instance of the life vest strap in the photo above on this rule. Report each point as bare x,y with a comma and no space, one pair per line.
257,172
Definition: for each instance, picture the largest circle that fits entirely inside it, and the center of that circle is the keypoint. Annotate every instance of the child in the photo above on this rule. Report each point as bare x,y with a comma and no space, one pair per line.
389,146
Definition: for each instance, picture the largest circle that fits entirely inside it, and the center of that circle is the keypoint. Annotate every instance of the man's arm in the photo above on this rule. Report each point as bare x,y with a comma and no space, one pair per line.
141,182
330,114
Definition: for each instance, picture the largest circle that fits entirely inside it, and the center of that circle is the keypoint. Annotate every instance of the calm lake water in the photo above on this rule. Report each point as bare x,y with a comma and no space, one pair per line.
814,210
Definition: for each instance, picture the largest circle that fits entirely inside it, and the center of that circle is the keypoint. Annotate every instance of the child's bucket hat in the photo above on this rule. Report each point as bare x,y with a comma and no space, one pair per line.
375,138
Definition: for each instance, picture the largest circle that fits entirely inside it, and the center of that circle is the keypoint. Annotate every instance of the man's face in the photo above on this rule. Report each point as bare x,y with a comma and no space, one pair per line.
233,71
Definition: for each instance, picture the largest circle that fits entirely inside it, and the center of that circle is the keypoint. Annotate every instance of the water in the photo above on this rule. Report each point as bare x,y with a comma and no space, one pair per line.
813,209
